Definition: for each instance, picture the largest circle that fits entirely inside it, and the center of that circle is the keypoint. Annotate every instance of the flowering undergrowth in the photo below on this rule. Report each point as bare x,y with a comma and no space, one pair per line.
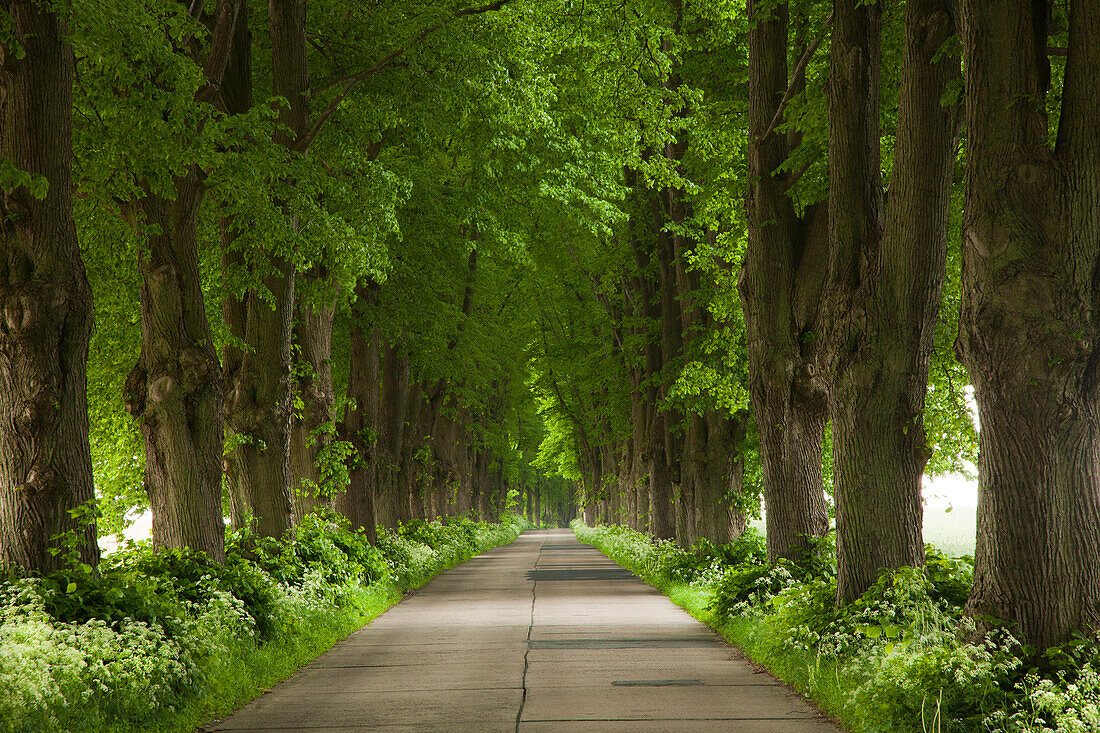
165,640
901,658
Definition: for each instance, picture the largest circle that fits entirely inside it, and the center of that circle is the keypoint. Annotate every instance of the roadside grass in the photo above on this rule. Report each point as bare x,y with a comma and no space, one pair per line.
901,658
165,641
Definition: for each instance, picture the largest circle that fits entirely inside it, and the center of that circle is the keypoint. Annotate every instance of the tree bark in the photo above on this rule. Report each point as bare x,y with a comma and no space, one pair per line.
45,304
360,422
258,409
260,395
1028,329
718,477
175,389
780,285
885,283
408,474
309,429
391,506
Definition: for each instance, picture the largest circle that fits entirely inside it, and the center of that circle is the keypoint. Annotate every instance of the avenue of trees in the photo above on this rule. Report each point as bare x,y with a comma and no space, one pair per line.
657,260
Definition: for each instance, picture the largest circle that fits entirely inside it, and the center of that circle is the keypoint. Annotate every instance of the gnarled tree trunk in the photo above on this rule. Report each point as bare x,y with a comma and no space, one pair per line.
1030,312
45,305
175,389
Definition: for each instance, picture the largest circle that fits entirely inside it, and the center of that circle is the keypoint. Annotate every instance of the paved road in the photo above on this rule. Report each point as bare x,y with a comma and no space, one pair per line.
545,634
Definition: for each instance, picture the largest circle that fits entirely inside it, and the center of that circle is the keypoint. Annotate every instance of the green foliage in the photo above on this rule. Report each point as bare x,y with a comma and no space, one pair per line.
13,178
951,577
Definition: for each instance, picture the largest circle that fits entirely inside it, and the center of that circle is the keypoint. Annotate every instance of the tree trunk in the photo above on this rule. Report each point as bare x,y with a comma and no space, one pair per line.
662,520
46,306
391,506
175,389
885,283
482,481
538,507
720,474
361,418
258,409
641,481
780,287
1028,330
313,324
311,428
408,476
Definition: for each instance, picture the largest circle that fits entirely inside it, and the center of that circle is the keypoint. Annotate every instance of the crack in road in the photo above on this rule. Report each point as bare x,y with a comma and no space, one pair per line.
530,628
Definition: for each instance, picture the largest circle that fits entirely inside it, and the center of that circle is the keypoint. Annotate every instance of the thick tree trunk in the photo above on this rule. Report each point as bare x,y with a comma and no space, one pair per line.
310,431
481,480
258,409
391,504
1028,331
175,389
361,417
790,457
780,287
471,488
313,322
692,469
640,476
408,475
885,283
627,487
45,305
662,520
719,477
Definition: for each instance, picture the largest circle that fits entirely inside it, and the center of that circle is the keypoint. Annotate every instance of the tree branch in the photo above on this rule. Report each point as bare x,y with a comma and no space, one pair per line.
355,80
221,46
796,175
789,94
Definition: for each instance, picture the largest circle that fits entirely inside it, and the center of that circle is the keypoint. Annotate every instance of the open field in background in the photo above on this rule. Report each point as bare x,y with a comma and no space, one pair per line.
951,531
